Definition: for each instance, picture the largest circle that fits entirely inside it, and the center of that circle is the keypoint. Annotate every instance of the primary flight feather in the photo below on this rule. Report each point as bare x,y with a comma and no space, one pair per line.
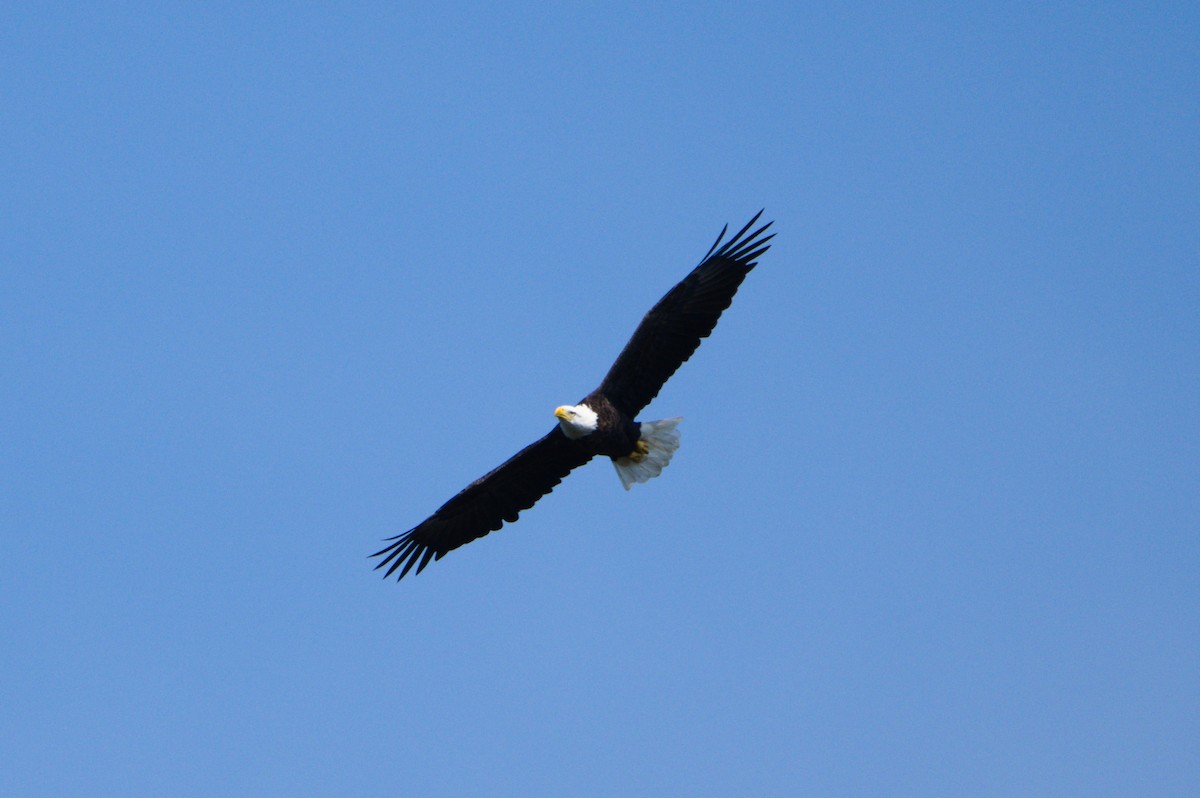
603,423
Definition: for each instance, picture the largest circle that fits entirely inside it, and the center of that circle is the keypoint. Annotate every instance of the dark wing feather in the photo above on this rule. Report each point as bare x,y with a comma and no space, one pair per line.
673,328
485,504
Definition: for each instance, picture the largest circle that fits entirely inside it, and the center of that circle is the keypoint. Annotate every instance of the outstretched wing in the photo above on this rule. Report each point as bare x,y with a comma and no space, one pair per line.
485,504
673,328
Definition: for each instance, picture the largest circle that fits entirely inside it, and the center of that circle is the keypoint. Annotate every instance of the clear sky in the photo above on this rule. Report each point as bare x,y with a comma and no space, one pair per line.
275,282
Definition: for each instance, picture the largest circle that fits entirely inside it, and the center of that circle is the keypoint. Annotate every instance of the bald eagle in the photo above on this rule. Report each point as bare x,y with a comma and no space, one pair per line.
603,422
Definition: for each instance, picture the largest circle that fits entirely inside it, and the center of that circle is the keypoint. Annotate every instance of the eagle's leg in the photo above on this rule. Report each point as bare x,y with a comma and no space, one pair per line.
656,444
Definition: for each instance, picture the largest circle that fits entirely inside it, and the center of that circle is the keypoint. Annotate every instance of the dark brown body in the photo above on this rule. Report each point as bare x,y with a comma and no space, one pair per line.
616,434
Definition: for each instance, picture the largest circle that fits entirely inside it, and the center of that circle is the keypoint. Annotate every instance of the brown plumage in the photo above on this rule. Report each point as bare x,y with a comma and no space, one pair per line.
665,339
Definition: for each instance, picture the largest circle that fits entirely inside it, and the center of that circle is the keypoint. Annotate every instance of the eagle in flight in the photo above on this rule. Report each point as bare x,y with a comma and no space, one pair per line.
603,423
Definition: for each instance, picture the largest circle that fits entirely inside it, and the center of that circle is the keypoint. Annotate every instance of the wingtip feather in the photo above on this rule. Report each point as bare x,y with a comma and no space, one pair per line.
715,243
736,247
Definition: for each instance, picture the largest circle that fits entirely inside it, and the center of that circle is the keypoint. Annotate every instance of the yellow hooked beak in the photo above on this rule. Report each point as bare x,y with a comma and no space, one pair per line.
563,413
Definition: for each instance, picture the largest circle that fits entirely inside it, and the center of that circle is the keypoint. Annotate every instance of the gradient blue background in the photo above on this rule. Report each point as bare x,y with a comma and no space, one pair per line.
277,281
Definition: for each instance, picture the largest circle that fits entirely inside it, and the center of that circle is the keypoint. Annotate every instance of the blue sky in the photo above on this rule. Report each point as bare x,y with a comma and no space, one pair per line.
275,282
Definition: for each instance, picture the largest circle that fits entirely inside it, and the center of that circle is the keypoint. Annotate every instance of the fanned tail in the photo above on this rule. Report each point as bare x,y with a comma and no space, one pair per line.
662,441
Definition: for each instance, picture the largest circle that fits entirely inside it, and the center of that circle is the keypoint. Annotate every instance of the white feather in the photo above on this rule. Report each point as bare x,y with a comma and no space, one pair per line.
663,440
577,420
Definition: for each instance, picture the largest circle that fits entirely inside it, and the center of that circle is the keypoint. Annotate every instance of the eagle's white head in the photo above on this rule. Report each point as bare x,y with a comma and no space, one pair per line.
576,420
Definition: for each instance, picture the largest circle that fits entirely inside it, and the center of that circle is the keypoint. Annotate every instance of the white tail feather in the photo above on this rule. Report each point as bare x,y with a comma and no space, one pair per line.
663,440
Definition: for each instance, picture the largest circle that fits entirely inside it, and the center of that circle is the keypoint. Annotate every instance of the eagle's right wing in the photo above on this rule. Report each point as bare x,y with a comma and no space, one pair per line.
485,504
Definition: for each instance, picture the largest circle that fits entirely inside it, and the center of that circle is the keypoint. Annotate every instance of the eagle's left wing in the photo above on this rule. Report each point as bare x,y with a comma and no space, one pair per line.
485,504
674,327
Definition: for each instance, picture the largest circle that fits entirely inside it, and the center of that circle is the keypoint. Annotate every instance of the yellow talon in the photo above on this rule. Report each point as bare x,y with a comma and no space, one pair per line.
640,451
